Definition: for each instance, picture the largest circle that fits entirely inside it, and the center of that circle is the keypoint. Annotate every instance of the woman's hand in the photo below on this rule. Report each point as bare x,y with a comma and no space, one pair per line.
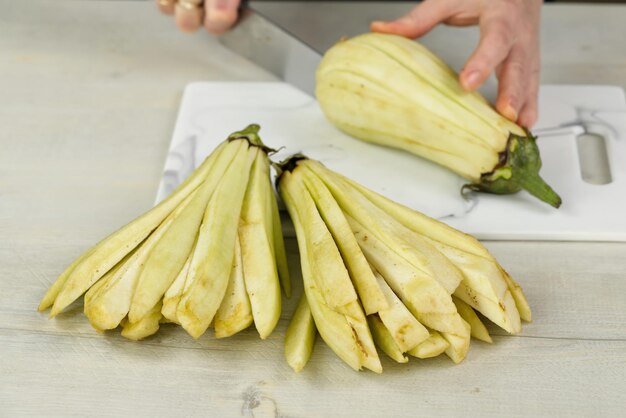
509,44
217,16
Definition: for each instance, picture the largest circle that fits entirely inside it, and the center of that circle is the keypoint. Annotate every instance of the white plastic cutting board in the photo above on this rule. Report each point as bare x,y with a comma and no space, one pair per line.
210,111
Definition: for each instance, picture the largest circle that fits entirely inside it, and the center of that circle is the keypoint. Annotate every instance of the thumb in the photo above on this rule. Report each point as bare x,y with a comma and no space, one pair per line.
418,21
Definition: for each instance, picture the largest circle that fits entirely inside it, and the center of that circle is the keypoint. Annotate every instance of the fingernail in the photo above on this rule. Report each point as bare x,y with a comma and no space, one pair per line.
470,80
378,25
219,17
188,20
219,21
510,112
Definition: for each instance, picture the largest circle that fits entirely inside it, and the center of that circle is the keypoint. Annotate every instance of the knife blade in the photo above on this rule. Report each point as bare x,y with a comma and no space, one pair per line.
273,48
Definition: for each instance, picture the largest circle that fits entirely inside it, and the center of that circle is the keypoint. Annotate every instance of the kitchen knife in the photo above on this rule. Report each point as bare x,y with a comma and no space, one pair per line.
258,39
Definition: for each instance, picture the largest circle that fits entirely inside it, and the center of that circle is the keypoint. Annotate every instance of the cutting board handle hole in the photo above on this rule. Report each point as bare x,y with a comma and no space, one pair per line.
594,159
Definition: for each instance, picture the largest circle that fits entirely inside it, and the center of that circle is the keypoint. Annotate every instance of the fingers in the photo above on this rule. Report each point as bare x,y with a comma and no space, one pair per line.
216,15
518,75
519,86
508,44
420,20
166,6
513,80
496,40
530,111
528,115
189,15
220,15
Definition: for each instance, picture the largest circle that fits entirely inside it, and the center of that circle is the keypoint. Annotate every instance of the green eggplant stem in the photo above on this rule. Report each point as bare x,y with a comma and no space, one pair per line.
251,134
518,169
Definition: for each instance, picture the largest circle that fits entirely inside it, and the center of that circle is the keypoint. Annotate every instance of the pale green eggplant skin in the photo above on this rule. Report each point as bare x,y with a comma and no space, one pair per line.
392,91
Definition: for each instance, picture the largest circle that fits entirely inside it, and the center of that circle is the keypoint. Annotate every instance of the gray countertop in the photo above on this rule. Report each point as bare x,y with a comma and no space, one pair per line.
89,92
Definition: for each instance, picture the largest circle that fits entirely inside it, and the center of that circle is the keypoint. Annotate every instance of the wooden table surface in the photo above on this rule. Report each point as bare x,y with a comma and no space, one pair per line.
88,98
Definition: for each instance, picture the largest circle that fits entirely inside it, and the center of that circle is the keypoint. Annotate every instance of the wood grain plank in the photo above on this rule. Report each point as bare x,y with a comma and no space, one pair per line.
514,377
576,290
